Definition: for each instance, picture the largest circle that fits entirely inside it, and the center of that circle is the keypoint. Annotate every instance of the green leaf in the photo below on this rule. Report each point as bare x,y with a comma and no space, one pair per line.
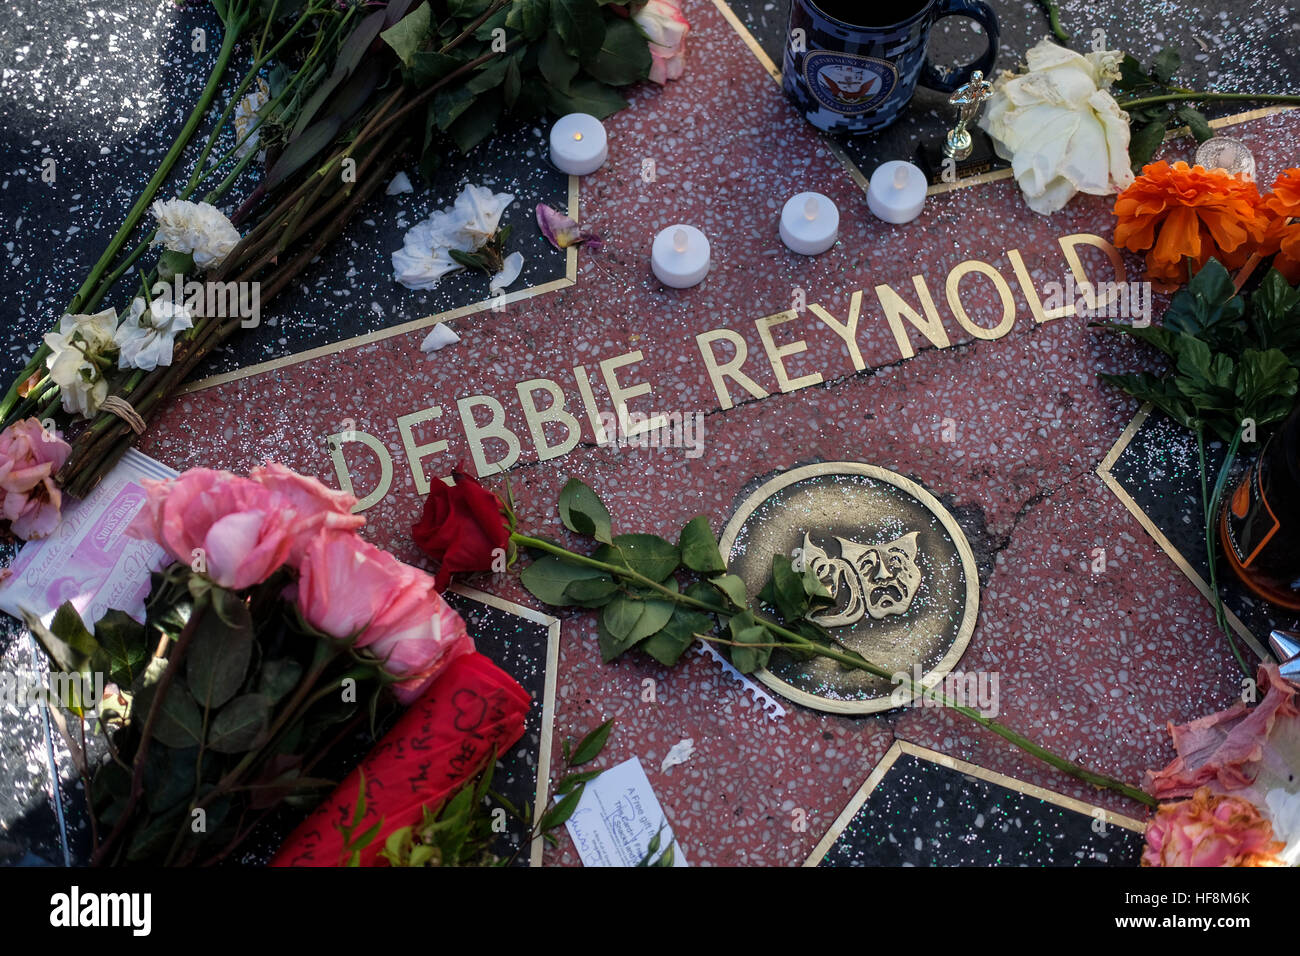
1165,64
218,657
1131,74
733,587
590,746
1196,122
358,41
785,590
429,66
1146,387
548,577
448,104
409,33
168,776
699,548
299,152
557,67
575,780
646,554
585,96
1153,335
238,725
584,513
1206,304
474,126
671,641
1266,385
127,645
1144,142
580,25
1275,315
621,616
512,84
278,677
179,723
529,17
744,631
623,57
591,592
556,816
490,75
707,594
467,9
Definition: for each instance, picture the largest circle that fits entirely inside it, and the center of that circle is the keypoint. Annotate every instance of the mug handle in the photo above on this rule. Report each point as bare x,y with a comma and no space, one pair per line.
947,79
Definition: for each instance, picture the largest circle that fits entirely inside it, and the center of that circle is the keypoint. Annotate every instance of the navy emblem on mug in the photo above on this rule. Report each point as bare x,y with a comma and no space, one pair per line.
846,83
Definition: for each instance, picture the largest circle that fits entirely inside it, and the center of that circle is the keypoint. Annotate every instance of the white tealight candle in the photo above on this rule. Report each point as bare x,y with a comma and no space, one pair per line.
1230,155
578,144
680,256
810,223
897,192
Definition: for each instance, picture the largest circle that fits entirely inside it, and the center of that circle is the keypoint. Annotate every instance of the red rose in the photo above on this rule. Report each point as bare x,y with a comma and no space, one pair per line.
463,527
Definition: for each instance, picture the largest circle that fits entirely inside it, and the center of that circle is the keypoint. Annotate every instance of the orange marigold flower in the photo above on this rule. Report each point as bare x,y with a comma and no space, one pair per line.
1178,213
1283,236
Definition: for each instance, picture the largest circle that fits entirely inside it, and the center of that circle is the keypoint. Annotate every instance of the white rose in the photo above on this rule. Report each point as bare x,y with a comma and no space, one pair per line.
1061,129
246,119
198,228
147,334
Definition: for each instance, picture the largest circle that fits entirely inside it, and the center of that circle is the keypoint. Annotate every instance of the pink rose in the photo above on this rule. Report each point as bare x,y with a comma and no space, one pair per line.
315,507
417,636
352,590
1210,830
29,498
233,529
665,27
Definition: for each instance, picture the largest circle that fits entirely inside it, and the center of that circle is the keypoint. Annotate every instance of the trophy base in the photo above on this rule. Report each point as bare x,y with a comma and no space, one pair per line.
940,168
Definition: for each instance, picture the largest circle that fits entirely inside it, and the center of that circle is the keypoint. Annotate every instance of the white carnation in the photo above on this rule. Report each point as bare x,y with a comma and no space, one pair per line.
147,334
78,351
425,256
197,228
1060,128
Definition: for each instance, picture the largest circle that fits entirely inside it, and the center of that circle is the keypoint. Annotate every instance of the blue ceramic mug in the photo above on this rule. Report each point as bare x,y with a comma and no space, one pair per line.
852,66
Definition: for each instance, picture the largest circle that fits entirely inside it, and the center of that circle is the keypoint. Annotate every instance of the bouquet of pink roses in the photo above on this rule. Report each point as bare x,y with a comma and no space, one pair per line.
267,641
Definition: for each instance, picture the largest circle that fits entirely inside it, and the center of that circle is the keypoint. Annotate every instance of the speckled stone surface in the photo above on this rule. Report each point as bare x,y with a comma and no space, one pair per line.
925,814
1090,664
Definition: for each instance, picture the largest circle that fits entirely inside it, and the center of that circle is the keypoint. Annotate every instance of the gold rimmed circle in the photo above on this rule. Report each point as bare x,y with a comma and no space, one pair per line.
867,503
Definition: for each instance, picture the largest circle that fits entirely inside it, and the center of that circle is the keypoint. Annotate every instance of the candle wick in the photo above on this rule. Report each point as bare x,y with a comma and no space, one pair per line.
577,136
900,177
810,208
680,240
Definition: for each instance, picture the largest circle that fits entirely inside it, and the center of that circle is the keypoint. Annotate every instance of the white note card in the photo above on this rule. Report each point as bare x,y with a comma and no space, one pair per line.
617,818
89,560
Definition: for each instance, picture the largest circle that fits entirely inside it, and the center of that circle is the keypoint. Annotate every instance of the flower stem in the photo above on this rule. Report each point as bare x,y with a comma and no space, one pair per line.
1210,504
1145,101
792,639
1054,21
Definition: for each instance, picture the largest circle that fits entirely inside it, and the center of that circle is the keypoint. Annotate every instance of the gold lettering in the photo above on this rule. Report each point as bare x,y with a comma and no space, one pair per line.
477,434
619,394
719,373
1086,287
960,271
415,454
776,354
896,309
555,412
336,442
847,330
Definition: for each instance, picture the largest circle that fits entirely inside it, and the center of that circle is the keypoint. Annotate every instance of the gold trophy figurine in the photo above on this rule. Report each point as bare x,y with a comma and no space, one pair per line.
968,99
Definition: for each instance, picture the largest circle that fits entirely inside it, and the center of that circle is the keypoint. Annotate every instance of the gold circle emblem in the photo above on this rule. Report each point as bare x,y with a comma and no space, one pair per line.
903,580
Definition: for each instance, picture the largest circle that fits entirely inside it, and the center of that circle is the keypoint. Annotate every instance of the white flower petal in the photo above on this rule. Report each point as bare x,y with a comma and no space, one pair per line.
401,183
510,269
439,337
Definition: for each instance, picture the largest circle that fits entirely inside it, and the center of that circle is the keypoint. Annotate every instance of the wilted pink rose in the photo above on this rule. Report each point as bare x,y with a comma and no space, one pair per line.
234,530
418,635
1210,830
345,582
352,590
315,507
664,25
1244,750
29,498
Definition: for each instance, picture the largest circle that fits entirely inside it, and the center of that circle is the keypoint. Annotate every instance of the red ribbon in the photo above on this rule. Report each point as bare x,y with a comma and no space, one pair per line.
441,741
